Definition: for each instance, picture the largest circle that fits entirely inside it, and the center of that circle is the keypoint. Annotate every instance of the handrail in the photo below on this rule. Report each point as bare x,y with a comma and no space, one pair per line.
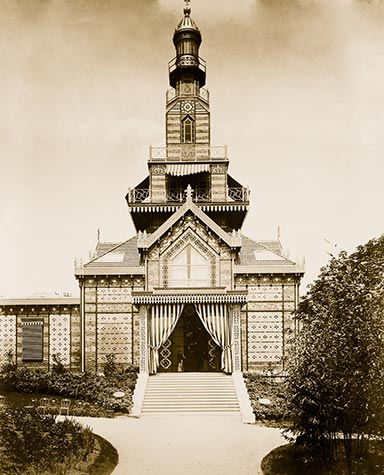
237,194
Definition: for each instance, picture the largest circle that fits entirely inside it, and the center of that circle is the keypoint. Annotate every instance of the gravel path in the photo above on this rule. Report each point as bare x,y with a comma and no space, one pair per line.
179,445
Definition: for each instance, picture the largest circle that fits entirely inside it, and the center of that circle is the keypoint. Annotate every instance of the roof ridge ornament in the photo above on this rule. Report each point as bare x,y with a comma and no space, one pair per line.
189,193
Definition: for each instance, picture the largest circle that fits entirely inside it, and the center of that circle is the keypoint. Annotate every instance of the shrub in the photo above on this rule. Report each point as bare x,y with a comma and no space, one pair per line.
35,444
58,366
90,387
266,387
335,364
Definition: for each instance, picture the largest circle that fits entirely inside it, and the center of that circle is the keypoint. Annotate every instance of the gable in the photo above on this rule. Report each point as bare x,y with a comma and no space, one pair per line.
145,241
189,255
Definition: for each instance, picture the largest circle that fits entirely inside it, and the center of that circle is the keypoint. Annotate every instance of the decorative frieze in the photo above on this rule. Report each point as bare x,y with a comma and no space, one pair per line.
158,169
218,169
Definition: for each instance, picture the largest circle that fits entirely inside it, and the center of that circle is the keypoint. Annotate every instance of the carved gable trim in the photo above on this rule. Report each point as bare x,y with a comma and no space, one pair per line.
189,237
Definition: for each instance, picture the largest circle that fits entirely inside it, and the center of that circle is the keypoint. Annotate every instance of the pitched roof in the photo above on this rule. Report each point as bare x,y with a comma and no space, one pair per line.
114,258
264,256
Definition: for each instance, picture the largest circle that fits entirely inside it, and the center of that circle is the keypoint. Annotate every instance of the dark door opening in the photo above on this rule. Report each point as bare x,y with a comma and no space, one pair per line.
191,343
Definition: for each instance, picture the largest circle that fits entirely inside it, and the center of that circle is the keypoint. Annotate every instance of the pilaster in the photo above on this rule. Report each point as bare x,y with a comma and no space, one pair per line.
143,339
236,313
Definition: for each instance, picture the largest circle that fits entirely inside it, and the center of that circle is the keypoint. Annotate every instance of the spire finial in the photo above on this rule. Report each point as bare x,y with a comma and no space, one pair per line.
189,193
187,8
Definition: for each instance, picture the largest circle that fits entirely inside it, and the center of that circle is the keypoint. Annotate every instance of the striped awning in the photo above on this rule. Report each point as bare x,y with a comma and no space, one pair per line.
181,169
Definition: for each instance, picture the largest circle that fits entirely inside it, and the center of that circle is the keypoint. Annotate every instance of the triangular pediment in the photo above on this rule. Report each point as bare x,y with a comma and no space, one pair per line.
145,241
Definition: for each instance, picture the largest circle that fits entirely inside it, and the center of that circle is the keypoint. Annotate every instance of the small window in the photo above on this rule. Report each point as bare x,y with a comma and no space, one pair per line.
188,130
32,340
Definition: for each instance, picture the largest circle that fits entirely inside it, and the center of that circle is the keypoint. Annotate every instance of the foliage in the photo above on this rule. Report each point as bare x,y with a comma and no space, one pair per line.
10,364
58,366
95,388
336,364
291,459
35,444
107,459
266,387
111,369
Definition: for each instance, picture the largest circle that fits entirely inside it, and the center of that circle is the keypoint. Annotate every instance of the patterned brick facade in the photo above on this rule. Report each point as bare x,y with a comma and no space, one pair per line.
60,320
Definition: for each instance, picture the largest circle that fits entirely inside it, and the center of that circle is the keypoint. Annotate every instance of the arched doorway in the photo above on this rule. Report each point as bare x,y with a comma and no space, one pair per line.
191,343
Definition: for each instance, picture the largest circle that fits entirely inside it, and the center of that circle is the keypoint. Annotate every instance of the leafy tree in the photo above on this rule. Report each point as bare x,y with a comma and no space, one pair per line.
336,363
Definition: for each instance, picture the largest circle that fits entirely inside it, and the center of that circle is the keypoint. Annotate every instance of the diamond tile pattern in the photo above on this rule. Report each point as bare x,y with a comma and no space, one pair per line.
7,335
59,337
114,335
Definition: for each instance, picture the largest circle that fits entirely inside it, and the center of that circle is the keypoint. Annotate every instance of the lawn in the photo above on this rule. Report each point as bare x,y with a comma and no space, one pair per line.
291,459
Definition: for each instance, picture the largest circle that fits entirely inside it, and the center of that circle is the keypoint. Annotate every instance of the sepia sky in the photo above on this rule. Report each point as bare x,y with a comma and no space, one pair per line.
297,94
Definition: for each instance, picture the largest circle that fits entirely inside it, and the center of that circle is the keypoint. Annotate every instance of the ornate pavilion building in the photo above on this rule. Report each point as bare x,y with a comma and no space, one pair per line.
188,286
189,292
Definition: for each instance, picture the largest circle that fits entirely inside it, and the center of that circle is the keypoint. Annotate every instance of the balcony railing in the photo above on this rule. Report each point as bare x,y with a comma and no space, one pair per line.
200,92
239,194
139,195
187,60
180,196
187,152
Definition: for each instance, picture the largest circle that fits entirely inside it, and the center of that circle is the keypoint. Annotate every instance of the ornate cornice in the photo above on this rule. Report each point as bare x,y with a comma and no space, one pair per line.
195,296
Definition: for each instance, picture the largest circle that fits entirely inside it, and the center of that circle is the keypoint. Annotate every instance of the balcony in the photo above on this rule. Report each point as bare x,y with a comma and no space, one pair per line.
187,60
234,195
187,152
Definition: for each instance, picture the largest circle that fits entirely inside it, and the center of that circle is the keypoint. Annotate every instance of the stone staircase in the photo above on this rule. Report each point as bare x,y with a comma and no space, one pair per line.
190,393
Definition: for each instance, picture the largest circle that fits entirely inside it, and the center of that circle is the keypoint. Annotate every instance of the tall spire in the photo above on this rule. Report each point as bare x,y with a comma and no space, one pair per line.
187,40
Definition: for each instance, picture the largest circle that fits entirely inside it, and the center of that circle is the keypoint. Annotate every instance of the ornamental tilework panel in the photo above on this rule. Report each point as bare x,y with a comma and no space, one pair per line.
7,335
260,354
114,336
266,306
289,292
265,327
273,317
290,306
136,338
59,337
90,295
114,307
265,293
114,295
265,337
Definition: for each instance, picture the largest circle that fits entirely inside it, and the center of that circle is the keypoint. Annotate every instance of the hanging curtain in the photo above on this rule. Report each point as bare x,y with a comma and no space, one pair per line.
218,321
162,321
